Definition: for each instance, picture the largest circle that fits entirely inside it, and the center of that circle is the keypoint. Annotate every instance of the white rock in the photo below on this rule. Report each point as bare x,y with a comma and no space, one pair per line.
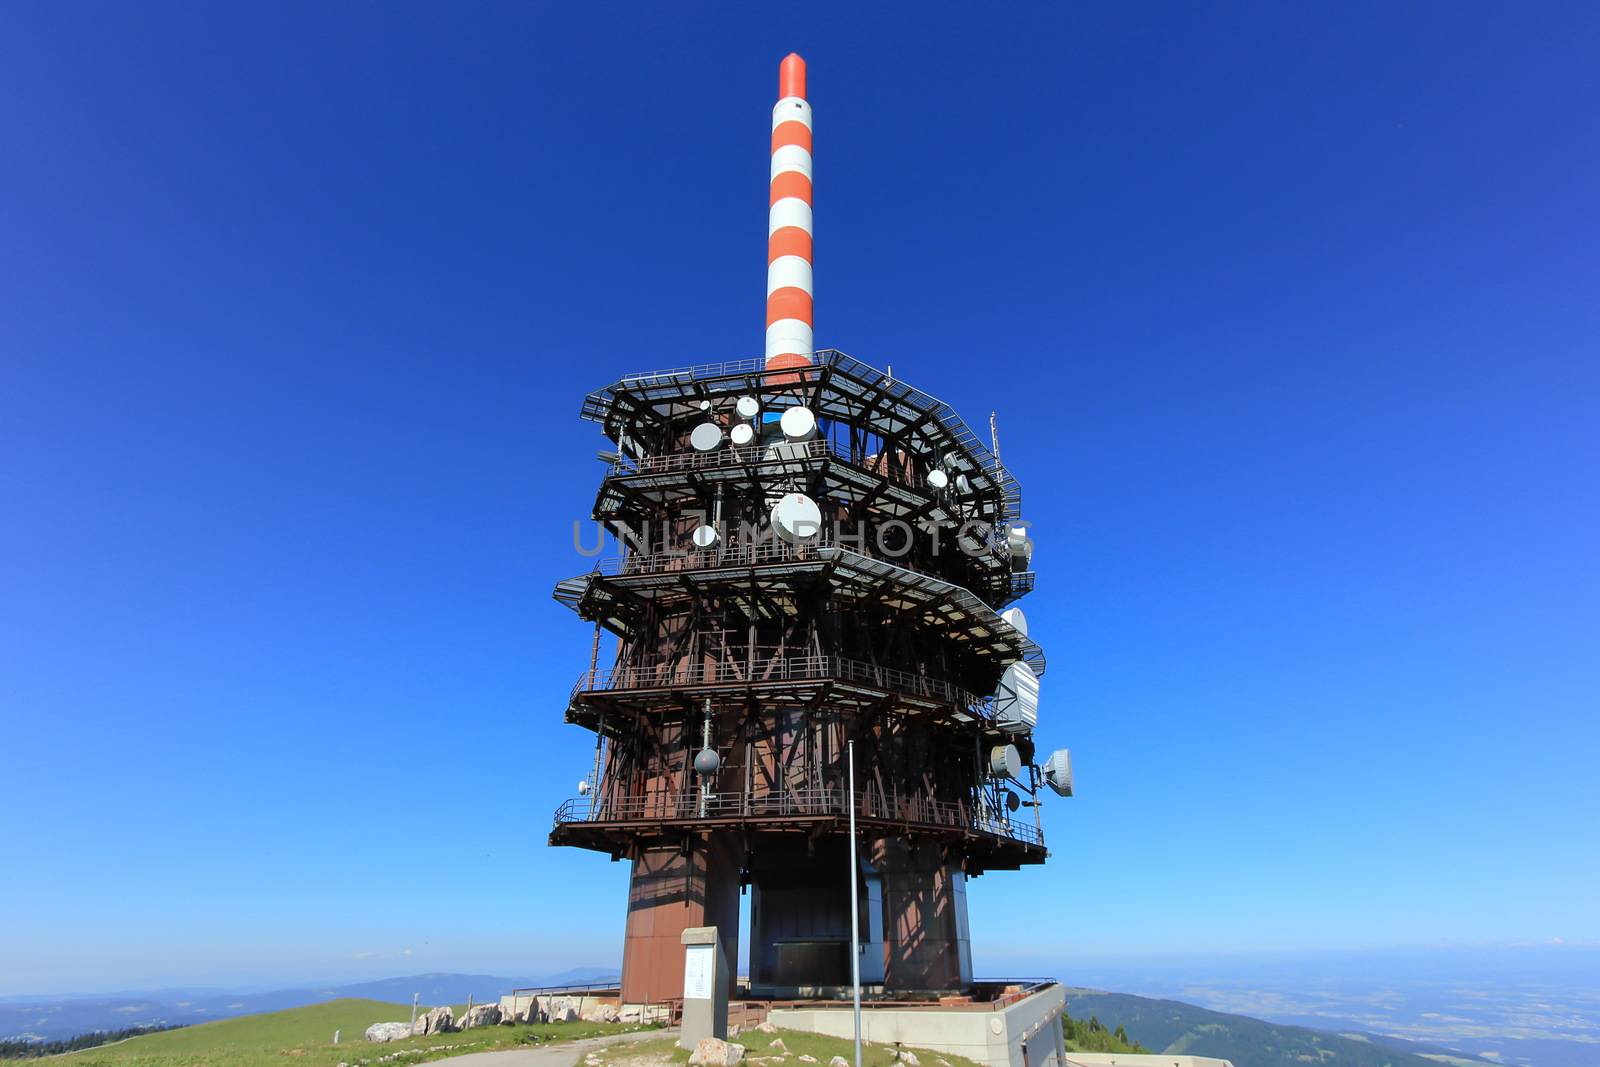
715,1052
384,1032
436,1021
910,1059
807,1059
838,1061
480,1015
778,1044
767,1027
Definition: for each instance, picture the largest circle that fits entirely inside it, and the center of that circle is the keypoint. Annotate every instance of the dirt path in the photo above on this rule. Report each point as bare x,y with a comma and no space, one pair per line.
564,1054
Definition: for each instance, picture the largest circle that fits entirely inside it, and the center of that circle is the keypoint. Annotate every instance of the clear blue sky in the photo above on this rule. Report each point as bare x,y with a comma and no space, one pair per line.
1290,315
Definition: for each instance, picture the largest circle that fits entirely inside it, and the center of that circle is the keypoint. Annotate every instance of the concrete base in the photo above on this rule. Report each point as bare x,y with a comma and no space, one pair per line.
1024,1033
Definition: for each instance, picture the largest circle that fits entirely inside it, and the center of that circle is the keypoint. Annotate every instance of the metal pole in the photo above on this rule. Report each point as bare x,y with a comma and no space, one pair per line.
855,920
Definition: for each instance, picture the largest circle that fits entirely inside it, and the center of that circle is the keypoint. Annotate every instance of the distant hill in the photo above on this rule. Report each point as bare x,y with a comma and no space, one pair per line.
1182,1029
43,1018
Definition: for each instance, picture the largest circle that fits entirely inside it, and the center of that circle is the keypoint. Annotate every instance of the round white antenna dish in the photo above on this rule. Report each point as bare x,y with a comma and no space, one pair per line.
1018,621
748,407
704,536
796,518
705,405
938,479
962,484
583,788
1016,699
798,424
705,437
1005,762
1058,771
742,434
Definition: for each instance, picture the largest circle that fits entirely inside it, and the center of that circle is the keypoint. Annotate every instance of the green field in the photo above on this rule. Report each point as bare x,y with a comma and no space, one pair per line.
303,1037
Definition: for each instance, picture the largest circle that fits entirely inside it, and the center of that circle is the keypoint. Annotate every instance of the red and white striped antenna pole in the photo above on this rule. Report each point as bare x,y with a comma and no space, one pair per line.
790,341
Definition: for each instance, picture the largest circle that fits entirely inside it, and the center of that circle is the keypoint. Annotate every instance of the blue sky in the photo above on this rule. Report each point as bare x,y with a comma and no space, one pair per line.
1288,312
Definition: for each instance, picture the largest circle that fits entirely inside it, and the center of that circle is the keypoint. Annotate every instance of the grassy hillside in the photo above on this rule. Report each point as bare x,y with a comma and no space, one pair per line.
304,1036
1173,1027
1091,1035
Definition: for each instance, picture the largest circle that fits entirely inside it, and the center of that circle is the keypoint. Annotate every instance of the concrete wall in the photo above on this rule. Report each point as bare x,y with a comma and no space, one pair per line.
1024,1034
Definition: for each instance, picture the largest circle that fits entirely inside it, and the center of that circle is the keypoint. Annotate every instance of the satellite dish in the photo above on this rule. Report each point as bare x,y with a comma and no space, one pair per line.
704,536
1020,547
938,479
796,518
705,405
1016,699
1058,771
798,424
583,788
742,434
1005,762
1013,802
748,407
706,436
1018,621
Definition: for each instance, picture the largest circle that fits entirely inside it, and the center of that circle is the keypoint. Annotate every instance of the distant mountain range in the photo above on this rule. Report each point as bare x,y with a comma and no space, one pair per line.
1182,1029
1160,1025
48,1018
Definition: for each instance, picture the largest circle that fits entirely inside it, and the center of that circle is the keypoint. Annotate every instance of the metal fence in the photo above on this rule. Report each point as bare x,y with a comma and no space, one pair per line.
689,805
772,667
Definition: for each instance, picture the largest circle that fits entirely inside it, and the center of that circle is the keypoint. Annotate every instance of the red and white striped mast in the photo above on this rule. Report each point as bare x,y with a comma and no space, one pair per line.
789,311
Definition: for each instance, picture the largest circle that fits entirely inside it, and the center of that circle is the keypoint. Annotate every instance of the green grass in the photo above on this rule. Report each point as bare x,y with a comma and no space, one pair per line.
303,1037
798,1044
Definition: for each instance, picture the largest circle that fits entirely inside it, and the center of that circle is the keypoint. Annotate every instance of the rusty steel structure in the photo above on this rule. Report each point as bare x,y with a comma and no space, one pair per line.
809,552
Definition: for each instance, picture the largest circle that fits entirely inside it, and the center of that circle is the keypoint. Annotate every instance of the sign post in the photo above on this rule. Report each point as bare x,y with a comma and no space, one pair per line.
705,987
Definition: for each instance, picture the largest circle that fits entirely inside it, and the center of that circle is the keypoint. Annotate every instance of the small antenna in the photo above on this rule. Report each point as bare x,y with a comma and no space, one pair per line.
994,437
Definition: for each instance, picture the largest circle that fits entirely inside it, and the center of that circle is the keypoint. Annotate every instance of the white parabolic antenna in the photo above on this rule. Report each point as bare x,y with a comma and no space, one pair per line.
1018,621
742,434
1058,771
705,437
798,424
796,518
748,407
704,536
938,479
1005,761
1016,699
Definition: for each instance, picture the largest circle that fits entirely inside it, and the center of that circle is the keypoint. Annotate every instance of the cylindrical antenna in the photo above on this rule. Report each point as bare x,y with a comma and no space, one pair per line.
994,438
790,340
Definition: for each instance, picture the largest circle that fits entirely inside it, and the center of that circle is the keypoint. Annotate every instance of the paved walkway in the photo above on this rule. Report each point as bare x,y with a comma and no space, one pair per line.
563,1054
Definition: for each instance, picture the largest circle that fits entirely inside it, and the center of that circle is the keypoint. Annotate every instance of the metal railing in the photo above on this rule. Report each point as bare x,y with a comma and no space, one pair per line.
812,802
772,667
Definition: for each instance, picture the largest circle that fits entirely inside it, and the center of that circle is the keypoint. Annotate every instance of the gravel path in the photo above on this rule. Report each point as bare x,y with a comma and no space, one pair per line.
564,1054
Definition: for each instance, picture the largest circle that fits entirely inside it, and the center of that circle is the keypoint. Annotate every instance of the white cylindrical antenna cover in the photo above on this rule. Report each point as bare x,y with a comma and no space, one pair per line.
748,407
742,434
1058,771
705,405
1005,762
1016,699
705,437
938,479
1018,621
798,424
704,536
796,518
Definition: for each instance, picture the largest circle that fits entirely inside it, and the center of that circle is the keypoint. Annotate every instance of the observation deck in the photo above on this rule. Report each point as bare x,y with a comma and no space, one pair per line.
995,840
